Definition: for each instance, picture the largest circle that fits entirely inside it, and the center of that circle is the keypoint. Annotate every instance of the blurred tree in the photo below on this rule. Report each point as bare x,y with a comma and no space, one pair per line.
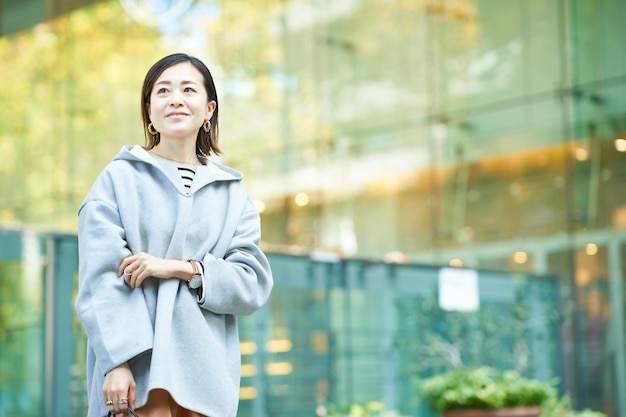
71,93
71,89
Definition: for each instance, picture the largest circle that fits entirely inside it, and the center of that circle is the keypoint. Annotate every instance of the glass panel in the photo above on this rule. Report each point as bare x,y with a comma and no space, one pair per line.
22,335
359,332
585,335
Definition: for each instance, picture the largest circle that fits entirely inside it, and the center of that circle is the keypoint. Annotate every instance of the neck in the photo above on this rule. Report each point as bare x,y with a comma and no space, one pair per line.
175,154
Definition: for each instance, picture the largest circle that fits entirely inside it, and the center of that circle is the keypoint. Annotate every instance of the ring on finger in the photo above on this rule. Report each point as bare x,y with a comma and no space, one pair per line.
128,271
108,403
122,401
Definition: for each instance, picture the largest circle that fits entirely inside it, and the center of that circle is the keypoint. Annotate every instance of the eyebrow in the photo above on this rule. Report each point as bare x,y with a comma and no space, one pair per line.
182,82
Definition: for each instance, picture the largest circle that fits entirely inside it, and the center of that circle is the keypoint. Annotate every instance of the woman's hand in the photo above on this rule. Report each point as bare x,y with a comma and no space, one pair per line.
119,389
137,268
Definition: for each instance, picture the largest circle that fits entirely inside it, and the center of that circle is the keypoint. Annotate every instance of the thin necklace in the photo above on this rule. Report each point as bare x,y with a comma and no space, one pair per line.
193,164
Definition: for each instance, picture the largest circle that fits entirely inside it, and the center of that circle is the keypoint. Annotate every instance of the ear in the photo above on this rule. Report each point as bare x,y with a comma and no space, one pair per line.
210,109
148,109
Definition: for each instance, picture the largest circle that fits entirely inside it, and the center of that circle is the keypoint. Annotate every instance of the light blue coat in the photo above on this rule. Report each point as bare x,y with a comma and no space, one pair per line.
171,339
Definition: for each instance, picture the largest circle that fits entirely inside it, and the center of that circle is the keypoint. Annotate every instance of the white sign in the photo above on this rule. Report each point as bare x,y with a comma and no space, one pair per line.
458,289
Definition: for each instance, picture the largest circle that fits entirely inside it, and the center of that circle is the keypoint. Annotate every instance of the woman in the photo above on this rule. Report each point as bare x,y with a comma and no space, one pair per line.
169,255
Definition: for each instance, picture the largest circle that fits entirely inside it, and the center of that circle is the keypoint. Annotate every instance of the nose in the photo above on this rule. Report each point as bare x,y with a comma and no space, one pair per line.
176,98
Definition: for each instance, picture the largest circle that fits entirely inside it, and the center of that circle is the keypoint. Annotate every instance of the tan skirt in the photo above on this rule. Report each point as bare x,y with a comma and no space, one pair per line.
161,404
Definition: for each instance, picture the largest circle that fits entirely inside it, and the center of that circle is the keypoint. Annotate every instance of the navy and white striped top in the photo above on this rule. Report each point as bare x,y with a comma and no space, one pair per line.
187,175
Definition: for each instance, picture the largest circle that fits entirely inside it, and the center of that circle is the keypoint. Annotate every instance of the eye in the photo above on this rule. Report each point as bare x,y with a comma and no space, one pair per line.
162,90
189,90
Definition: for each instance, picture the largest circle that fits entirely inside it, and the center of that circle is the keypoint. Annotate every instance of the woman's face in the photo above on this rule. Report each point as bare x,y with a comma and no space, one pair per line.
178,102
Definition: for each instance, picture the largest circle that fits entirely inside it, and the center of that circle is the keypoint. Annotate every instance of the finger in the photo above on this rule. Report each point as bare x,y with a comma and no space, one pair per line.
112,404
139,280
132,395
128,272
130,268
123,266
127,261
123,403
117,407
128,279
106,399
139,275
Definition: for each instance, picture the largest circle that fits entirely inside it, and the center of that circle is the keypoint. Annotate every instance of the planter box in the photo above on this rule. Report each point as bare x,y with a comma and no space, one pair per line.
497,412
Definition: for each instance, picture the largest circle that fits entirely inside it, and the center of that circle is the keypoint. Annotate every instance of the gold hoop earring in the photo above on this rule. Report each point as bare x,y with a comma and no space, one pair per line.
152,130
207,125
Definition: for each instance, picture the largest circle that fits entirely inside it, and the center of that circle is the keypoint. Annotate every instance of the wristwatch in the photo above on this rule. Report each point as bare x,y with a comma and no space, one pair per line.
196,279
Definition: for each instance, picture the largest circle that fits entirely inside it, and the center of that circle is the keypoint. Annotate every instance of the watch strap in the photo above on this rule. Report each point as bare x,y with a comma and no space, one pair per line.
194,265
196,270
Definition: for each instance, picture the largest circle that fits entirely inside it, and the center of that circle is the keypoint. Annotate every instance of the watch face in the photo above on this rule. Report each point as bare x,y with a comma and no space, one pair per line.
195,282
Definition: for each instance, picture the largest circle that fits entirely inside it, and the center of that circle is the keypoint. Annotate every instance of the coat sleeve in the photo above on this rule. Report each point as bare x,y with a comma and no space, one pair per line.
115,318
241,282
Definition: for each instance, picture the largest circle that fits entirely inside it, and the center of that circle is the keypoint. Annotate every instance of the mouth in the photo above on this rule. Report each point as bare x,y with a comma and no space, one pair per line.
176,114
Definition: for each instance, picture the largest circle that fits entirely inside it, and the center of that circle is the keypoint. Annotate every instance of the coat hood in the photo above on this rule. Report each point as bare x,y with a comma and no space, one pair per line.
138,153
205,174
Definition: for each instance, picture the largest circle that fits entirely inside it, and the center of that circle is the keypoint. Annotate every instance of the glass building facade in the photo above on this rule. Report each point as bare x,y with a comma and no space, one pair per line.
482,134
341,331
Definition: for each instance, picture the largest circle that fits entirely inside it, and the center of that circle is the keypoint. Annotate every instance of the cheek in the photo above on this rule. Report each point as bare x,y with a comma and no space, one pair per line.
153,108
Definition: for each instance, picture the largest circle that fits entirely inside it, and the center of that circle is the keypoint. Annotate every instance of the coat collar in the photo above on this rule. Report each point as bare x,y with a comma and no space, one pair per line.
205,174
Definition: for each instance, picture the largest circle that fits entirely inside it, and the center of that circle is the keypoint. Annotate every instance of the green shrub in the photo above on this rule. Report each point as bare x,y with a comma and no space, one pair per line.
467,388
369,409
561,408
